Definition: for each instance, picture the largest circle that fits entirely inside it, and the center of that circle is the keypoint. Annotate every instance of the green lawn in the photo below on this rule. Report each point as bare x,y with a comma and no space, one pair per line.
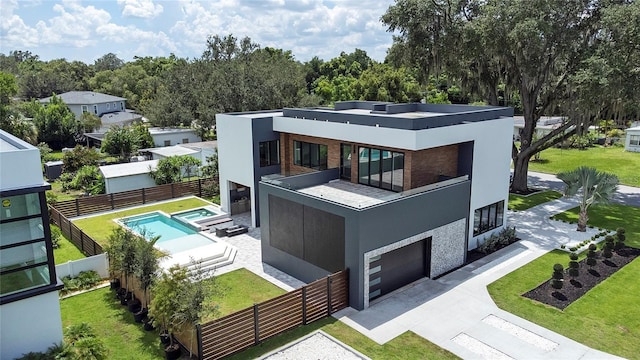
242,289
113,323
607,317
66,252
406,346
615,160
519,202
100,227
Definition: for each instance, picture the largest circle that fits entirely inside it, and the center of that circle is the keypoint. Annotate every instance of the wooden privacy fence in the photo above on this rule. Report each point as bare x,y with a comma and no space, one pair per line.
248,327
82,241
106,202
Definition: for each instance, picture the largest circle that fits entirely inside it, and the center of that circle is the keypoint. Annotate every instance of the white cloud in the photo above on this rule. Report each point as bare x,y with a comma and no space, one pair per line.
145,9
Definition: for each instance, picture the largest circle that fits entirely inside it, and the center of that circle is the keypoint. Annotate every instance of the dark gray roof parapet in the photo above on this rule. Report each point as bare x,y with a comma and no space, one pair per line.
390,115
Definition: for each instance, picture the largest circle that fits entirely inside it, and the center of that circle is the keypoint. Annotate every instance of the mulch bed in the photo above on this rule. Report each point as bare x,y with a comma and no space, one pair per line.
588,278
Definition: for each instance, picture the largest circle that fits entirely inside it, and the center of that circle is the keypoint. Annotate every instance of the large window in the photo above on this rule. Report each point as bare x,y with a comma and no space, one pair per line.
634,140
310,155
269,153
24,263
381,168
488,218
345,161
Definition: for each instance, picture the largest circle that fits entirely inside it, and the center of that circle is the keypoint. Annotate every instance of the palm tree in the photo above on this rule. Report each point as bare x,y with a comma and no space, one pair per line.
597,187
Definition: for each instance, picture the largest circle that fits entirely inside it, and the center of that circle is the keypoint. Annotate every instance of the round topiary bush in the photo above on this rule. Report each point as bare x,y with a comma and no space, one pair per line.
607,253
591,261
573,256
593,247
573,248
558,272
574,272
558,267
557,284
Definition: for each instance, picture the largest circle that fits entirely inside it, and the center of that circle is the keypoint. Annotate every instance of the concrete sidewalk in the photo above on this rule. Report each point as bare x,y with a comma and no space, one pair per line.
456,312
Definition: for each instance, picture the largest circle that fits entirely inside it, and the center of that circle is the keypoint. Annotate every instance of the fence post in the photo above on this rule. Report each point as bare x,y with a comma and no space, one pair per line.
94,247
256,325
111,200
77,208
143,196
81,241
172,190
329,295
199,187
199,334
304,305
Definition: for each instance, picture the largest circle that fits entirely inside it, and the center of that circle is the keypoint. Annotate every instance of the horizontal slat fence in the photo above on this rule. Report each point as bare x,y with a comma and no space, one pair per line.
82,241
248,327
99,203
63,210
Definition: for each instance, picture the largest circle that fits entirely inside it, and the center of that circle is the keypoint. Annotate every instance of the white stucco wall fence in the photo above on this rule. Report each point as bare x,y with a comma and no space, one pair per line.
99,263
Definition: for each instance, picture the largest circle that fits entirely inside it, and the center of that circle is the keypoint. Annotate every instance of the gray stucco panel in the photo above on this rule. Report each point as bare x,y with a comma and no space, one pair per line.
448,247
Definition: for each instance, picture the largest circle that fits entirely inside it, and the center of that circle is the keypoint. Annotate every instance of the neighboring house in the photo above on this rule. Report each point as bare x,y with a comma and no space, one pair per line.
198,150
128,176
632,140
29,305
544,125
392,192
110,109
173,136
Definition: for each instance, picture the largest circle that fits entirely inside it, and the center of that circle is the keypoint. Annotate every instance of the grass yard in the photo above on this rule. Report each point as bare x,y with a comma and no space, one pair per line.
606,318
406,346
113,323
242,289
519,202
623,164
66,251
100,227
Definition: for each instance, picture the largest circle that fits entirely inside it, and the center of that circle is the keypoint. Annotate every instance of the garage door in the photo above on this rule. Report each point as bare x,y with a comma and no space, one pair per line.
397,268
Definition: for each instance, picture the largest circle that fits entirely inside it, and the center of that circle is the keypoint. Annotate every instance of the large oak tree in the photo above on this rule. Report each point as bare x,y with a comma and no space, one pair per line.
534,47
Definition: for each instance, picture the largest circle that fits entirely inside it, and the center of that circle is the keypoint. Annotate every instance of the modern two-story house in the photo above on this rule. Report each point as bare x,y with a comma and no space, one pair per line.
29,306
393,192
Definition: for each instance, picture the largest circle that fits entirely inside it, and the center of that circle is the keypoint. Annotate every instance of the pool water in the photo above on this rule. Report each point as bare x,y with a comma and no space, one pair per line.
154,224
195,215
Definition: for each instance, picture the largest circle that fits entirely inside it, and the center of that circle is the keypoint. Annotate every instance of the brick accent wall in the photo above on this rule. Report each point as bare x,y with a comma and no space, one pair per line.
427,165
420,167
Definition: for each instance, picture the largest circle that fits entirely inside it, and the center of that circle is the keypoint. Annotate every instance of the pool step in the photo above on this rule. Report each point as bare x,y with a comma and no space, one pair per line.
210,257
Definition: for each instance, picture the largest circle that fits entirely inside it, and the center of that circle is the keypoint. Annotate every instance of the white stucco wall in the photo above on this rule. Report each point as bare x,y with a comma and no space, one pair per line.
176,138
235,156
32,324
131,182
24,157
627,144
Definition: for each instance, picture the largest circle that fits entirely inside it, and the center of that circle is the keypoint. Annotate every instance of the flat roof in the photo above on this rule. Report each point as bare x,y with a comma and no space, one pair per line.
413,116
9,142
158,130
175,150
350,194
127,169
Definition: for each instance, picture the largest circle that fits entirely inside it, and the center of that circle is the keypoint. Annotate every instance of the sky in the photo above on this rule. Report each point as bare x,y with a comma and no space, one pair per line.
86,30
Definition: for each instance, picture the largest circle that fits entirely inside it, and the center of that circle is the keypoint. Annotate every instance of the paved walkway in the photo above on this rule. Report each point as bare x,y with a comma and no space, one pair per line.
456,312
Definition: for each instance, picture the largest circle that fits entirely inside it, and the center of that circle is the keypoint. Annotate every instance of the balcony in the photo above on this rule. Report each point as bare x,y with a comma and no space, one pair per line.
328,186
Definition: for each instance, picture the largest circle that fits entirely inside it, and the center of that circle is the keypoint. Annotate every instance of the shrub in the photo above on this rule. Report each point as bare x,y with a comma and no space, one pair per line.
593,247
574,272
498,240
557,284
573,248
56,234
563,246
591,255
84,280
621,237
558,272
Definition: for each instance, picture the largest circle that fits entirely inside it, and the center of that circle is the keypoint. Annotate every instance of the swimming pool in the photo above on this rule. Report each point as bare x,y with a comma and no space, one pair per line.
174,236
197,214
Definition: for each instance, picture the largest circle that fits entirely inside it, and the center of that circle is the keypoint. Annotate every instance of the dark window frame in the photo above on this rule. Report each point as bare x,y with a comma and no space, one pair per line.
269,153
376,167
488,218
310,155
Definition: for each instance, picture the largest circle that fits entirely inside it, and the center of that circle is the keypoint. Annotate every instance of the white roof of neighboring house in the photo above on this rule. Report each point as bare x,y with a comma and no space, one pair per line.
127,169
157,130
201,145
119,117
633,129
545,122
84,98
175,150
